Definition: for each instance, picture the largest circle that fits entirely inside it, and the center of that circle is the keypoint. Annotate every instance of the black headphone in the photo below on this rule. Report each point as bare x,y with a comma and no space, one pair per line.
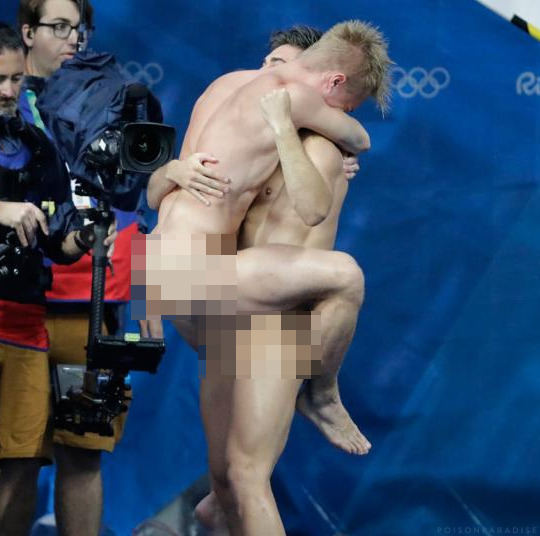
29,33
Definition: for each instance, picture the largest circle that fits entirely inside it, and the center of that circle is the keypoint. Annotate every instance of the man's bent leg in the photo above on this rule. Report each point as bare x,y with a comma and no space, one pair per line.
78,497
296,277
18,493
333,284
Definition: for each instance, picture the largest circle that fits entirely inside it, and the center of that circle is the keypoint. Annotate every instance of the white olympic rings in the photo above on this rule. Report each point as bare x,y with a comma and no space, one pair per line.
420,81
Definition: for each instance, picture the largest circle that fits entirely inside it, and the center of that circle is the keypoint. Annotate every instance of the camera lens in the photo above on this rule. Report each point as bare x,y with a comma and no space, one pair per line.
145,148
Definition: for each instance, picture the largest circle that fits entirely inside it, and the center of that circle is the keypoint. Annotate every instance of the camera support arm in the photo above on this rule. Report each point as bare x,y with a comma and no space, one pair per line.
102,216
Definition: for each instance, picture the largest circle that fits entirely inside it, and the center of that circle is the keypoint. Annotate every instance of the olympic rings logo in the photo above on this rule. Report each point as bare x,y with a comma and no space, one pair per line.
149,74
419,81
528,84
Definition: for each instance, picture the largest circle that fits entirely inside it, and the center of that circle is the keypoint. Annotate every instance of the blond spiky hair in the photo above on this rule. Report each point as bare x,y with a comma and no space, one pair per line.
360,51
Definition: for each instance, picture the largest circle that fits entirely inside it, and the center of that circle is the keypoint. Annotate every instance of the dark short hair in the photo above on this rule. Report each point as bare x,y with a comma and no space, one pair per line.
31,11
10,39
299,36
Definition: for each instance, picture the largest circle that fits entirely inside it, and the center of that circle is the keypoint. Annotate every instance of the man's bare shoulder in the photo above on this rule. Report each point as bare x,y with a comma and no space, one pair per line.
229,82
237,77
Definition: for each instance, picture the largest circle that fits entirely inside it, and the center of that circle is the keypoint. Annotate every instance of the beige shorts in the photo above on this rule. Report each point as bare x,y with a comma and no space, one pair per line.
25,397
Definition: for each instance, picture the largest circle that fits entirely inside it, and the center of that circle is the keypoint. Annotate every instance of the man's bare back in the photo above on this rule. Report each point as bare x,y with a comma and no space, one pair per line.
236,133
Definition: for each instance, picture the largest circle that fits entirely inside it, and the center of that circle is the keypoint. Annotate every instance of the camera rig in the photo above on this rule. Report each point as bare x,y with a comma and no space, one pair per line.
87,399
108,167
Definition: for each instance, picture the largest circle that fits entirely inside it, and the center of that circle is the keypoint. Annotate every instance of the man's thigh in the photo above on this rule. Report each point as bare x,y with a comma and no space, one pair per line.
279,277
24,404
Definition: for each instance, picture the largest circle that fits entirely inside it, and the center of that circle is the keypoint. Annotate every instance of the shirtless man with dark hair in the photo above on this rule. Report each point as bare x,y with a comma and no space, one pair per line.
348,66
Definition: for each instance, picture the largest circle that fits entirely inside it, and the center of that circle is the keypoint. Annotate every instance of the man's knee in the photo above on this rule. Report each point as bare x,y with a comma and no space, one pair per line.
76,459
351,278
242,478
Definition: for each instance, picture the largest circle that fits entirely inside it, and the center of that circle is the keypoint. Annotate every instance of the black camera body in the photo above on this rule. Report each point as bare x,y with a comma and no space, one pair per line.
139,147
129,150
107,127
134,144
22,272
88,400
21,269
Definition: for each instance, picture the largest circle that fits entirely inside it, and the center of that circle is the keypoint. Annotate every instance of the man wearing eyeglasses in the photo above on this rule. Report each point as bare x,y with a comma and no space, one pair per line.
49,30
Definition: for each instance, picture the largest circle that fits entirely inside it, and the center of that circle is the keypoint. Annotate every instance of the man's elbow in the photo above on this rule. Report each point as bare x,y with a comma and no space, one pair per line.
313,219
364,143
315,215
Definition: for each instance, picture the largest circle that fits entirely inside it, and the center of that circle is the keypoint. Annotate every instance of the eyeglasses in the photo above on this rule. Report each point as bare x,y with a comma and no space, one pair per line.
62,30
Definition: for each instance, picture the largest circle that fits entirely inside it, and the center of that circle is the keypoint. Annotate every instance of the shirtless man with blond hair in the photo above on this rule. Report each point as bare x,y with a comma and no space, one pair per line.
348,65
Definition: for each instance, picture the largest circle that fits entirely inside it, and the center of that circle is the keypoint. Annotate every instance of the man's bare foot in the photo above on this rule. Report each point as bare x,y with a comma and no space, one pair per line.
210,515
323,407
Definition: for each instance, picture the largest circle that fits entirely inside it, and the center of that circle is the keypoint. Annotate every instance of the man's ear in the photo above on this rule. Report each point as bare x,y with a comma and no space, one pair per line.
338,79
27,35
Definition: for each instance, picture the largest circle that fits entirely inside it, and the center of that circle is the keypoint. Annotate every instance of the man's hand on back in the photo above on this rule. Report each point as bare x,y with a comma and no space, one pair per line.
25,218
192,175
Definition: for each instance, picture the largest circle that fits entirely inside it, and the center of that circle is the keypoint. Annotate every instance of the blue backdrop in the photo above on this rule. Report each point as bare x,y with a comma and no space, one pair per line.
443,375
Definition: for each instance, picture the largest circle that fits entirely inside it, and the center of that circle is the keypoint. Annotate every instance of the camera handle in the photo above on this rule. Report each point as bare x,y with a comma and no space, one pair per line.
102,216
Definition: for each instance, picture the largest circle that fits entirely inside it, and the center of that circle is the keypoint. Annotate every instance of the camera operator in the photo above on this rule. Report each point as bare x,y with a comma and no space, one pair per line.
31,176
50,31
